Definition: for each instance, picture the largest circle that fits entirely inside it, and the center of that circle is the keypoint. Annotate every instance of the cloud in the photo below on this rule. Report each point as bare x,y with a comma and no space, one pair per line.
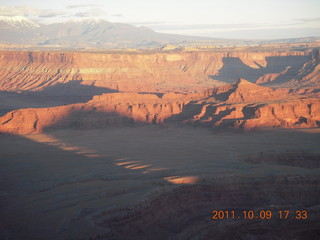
29,12
167,26
200,28
9,11
46,16
150,23
50,15
82,6
95,12
308,20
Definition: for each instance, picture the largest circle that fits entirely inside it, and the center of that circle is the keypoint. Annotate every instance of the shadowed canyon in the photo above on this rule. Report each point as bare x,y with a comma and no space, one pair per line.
149,144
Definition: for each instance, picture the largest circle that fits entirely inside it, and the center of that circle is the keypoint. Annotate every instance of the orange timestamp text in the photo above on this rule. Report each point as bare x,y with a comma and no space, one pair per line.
260,214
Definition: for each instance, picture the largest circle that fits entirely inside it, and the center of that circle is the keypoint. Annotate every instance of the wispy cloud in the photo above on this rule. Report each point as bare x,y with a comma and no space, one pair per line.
51,16
29,12
199,26
186,28
308,20
95,12
82,6
150,23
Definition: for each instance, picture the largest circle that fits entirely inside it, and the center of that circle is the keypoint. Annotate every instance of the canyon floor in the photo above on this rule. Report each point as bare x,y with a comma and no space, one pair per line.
128,146
86,184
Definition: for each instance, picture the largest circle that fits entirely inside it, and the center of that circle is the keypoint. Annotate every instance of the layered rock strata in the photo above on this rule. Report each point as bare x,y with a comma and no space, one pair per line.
179,71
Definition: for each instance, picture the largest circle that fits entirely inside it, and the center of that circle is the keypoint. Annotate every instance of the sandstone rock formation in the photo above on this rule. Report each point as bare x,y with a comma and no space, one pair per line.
101,111
298,113
244,91
240,105
248,106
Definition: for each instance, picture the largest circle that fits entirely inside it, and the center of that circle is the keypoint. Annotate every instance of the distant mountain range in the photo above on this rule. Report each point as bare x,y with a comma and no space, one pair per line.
101,34
87,33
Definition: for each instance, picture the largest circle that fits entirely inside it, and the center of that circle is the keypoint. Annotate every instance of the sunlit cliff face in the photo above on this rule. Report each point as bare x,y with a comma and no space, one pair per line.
155,72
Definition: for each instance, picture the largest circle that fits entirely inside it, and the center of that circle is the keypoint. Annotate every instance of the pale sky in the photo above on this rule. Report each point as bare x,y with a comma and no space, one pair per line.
259,19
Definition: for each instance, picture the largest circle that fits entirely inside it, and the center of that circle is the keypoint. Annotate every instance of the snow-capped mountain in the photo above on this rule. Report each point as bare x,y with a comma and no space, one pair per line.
17,22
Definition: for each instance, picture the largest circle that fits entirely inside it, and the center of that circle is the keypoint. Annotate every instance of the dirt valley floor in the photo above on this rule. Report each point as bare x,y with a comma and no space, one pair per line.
159,182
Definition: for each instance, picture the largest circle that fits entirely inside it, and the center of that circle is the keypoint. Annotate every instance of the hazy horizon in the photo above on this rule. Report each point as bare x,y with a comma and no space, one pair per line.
216,19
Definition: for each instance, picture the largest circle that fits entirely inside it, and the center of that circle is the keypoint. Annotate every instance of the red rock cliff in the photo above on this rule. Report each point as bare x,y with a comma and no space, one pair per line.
180,71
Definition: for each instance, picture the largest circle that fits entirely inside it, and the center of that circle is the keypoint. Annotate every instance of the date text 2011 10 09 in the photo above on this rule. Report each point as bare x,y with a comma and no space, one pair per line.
261,214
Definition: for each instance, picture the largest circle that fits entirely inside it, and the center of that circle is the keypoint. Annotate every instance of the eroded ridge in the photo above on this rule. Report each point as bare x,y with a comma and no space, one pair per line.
242,105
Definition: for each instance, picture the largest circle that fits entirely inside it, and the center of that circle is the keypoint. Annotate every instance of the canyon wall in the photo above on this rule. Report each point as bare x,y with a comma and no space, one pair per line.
143,72
306,75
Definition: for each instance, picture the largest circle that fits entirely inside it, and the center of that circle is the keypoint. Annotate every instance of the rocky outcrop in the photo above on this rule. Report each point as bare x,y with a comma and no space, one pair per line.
299,113
295,113
101,111
145,72
248,106
245,91
270,77
241,105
